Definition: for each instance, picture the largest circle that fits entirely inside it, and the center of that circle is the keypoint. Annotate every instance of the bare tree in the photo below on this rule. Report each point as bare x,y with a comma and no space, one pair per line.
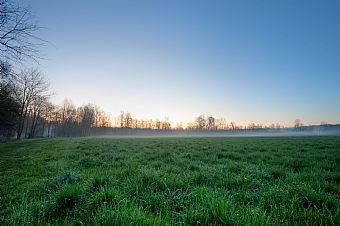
87,118
252,126
221,124
200,122
233,125
104,120
30,86
5,71
128,120
120,120
17,33
38,104
211,123
68,117
297,124
49,113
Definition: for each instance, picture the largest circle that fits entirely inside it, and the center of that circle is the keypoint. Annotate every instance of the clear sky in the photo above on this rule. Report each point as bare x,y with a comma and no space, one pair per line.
248,61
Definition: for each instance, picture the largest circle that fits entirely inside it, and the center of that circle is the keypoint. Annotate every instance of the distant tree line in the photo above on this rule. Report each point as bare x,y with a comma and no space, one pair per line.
68,120
200,123
125,120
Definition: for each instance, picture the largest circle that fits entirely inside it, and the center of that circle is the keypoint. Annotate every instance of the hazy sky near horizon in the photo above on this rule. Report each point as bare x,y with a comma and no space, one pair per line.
248,61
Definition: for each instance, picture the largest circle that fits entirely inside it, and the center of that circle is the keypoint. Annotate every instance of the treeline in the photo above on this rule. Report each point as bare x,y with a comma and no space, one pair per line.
26,110
202,122
125,120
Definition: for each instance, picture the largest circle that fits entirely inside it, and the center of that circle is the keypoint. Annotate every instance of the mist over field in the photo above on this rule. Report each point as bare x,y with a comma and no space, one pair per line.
333,130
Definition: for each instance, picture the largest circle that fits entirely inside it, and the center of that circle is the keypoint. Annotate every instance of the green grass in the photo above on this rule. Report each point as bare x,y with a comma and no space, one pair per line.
171,181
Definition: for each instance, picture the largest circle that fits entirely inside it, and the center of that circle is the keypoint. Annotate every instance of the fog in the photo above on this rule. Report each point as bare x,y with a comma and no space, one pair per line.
145,133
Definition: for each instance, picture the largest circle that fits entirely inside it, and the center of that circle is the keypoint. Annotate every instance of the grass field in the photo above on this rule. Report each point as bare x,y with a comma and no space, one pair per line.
159,181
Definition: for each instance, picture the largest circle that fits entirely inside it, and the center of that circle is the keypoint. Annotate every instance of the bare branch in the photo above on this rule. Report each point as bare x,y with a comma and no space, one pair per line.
17,33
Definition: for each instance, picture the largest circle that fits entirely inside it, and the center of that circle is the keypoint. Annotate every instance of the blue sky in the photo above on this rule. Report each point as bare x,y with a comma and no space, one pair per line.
248,61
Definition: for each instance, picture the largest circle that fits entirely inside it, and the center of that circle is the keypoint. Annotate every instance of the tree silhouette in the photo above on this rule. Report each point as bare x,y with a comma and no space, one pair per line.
18,30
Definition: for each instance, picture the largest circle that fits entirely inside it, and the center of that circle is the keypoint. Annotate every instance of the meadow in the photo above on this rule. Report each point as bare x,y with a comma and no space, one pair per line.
171,181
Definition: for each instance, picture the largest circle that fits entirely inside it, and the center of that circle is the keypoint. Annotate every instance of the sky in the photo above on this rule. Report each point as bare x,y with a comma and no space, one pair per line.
247,61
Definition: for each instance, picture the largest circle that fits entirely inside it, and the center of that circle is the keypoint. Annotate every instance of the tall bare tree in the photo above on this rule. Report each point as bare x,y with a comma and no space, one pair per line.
297,124
31,85
211,123
87,118
37,107
200,122
233,125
